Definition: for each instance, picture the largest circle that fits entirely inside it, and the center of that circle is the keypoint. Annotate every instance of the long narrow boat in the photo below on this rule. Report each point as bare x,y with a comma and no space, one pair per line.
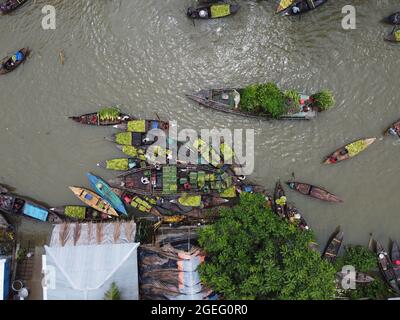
11,63
17,205
395,255
212,11
228,101
109,116
361,277
333,246
9,6
104,190
174,180
393,130
349,151
280,202
94,200
313,191
143,126
393,19
303,6
80,213
386,267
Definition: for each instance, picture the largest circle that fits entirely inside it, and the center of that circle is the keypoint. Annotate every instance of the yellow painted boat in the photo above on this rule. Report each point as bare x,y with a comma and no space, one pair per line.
94,200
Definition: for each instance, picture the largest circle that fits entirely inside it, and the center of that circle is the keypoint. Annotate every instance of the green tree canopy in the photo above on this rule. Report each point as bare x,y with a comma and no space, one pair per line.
254,254
113,293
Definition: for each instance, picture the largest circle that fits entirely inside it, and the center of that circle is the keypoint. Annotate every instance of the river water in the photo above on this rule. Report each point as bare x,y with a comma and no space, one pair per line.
145,55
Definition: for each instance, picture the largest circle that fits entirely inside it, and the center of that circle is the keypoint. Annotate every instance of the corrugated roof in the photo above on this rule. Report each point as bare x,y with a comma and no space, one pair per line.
86,272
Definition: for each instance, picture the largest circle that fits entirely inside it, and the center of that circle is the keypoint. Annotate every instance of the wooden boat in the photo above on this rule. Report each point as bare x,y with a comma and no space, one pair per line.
8,64
332,248
17,205
212,11
9,6
280,202
302,6
393,130
386,267
294,216
393,19
95,201
104,190
109,116
227,100
80,213
395,255
170,180
349,151
361,277
313,191
394,36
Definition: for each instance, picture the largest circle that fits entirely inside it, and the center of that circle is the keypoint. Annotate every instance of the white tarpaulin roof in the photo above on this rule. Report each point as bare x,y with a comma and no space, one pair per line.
86,272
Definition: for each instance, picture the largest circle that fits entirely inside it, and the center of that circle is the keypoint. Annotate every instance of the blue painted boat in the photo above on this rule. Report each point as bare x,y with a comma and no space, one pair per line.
105,191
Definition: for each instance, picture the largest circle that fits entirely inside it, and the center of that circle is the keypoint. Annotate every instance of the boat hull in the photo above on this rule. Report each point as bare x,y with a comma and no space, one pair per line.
313,191
206,99
4,70
342,154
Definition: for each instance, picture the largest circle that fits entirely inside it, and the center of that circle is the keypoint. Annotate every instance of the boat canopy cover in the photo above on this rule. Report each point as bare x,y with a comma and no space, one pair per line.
35,212
220,10
137,126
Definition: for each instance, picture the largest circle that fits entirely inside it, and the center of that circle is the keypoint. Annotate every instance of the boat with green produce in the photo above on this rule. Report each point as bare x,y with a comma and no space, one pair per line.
79,213
217,10
169,180
122,164
349,151
265,101
108,116
313,191
394,36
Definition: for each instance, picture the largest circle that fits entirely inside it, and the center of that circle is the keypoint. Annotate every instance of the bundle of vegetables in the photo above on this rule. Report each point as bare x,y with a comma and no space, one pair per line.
123,138
263,98
111,114
119,164
134,152
397,35
292,99
323,100
356,147
75,212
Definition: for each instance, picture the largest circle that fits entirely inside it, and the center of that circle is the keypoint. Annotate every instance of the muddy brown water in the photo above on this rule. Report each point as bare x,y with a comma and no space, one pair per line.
145,55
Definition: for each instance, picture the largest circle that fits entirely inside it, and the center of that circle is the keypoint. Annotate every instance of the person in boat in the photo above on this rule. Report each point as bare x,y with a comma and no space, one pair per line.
392,131
343,154
17,57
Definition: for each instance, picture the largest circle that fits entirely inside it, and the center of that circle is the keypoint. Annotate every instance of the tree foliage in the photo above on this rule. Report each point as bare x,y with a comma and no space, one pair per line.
254,254
113,293
363,260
